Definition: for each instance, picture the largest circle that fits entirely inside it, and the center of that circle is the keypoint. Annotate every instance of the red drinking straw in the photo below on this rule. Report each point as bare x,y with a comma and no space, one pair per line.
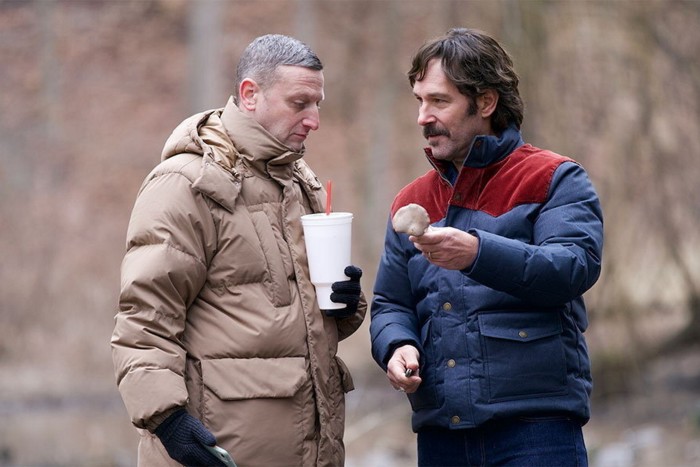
328,198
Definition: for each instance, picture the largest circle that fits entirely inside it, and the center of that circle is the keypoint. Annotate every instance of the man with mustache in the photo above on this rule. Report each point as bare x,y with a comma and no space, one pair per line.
480,320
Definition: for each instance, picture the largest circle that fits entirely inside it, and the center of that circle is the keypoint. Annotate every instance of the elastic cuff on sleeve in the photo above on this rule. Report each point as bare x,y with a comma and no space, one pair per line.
155,421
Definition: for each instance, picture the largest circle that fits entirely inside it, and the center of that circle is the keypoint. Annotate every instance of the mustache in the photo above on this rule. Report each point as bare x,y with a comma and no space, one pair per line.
433,130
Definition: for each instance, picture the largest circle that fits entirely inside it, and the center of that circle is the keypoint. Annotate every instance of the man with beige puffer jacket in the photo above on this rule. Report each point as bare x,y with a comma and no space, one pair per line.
219,338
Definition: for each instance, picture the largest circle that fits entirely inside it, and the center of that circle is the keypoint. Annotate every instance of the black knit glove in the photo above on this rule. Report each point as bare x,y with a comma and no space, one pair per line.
347,292
183,437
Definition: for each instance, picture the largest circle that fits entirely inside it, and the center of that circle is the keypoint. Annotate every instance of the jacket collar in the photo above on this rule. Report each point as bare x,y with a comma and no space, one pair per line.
253,143
485,150
227,139
255,147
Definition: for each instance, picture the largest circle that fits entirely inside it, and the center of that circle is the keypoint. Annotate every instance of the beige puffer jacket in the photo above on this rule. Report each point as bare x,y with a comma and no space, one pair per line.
217,312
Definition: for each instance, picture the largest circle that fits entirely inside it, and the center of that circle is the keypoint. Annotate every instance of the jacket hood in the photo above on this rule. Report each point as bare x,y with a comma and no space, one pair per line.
225,135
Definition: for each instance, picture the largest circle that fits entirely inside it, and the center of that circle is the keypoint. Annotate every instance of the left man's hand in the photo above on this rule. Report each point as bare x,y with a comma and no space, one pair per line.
347,292
184,438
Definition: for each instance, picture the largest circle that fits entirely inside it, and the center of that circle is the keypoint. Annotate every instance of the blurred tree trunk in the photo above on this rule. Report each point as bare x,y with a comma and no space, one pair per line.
344,16
49,71
674,198
527,36
376,196
205,47
305,21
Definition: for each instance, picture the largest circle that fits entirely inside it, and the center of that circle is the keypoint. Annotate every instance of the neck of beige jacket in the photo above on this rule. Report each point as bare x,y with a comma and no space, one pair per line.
250,142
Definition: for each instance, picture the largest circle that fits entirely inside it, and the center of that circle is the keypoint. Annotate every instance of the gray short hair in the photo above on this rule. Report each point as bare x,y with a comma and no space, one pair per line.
265,54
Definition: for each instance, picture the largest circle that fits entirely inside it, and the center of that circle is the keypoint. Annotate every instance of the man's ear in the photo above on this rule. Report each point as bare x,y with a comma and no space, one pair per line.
248,92
486,102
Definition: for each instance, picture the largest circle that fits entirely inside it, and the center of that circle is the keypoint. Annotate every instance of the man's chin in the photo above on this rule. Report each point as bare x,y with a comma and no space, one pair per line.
435,151
443,155
296,143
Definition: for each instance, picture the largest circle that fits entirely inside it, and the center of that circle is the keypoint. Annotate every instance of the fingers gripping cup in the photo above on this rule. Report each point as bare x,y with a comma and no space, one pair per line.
328,247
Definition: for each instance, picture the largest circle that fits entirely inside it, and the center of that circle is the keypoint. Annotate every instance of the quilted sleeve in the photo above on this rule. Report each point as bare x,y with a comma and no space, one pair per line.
169,238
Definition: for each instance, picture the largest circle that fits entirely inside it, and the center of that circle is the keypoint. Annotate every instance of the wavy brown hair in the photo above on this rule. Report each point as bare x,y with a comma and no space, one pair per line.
474,62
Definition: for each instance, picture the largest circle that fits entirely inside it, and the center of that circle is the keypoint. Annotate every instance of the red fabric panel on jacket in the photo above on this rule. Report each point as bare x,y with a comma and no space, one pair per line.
430,191
523,177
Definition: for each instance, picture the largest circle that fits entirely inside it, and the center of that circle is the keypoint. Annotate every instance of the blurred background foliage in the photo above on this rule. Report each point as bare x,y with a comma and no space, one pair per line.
90,90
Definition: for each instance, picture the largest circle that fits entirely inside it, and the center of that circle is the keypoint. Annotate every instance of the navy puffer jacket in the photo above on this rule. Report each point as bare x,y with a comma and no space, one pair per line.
505,337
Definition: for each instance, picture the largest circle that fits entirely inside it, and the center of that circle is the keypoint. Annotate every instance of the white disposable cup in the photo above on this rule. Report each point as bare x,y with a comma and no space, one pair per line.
328,247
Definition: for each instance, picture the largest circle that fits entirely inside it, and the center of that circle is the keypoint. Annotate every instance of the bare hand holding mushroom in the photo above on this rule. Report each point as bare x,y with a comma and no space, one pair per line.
446,247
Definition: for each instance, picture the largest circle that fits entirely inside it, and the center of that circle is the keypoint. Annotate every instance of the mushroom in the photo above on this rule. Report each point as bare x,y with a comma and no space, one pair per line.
412,219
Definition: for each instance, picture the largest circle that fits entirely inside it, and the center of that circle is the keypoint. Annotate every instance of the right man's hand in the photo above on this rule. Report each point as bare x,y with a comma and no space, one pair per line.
447,247
404,358
184,438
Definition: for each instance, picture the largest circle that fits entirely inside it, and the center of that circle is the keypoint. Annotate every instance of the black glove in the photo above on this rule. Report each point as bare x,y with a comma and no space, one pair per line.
347,292
183,436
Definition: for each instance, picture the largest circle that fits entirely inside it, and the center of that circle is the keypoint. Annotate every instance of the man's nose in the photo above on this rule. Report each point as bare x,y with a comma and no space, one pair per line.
425,116
312,120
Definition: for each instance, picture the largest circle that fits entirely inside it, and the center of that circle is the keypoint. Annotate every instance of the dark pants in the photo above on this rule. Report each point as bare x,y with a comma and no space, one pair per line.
524,441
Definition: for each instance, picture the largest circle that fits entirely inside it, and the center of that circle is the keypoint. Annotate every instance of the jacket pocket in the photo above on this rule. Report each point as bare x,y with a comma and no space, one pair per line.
523,354
345,376
253,378
272,243
260,409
